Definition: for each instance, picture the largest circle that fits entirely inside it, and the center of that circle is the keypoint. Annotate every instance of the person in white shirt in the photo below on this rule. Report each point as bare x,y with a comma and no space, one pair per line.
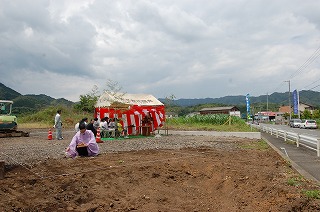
58,125
76,127
104,126
96,123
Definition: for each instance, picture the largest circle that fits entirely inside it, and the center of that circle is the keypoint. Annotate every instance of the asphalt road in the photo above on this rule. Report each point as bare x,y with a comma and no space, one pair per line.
302,159
309,132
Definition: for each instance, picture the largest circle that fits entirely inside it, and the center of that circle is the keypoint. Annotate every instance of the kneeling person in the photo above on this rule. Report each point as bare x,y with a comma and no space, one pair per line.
83,143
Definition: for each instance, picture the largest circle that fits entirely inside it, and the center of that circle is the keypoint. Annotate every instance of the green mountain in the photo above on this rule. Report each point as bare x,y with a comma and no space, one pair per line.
7,93
30,102
305,96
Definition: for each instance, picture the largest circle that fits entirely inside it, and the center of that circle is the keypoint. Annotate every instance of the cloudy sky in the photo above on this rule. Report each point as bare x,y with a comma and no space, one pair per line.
185,48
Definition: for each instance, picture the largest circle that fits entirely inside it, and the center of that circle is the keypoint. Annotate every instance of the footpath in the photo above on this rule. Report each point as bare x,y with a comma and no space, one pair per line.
302,159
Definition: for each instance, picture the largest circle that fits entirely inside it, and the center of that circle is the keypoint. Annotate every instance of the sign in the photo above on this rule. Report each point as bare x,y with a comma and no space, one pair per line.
295,102
248,105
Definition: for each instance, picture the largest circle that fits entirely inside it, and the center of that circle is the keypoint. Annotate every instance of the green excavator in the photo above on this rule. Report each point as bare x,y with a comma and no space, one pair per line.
8,122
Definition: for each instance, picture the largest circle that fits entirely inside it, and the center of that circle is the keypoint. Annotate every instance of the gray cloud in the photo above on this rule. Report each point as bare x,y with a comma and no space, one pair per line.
192,49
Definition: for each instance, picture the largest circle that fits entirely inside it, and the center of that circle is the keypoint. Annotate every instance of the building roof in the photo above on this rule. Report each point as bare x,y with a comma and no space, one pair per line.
284,109
219,108
106,99
266,113
302,103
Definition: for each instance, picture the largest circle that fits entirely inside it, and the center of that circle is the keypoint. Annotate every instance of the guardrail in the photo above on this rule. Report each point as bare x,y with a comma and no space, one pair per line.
309,142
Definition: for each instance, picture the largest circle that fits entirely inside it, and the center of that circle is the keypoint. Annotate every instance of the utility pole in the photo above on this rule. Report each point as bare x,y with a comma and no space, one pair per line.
268,106
267,102
288,81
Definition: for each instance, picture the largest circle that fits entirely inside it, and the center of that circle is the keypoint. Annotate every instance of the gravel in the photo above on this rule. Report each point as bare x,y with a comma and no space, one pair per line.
37,148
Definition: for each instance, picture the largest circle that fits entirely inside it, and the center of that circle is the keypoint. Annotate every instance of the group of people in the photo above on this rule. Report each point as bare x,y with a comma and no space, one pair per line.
110,127
84,142
93,125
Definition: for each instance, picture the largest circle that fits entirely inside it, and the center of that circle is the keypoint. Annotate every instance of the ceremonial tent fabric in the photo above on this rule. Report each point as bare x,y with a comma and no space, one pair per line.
130,109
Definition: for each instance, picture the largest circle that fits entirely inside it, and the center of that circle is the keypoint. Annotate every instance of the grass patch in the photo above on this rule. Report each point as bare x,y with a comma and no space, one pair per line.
294,181
45,118
314,194
209,122
70,116
261,145
36,125
209,127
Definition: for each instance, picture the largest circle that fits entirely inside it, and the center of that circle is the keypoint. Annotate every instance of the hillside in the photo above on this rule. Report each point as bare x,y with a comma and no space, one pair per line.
29,102
306,96
32,102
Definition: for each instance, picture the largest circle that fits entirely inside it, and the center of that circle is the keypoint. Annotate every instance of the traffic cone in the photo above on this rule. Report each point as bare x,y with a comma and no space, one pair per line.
50,135
98,137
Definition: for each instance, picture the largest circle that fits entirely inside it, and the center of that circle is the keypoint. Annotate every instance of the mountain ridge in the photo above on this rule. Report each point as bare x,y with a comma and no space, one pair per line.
306,96
31,102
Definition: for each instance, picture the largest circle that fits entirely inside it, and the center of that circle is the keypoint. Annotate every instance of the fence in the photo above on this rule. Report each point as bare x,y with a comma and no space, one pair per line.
309,142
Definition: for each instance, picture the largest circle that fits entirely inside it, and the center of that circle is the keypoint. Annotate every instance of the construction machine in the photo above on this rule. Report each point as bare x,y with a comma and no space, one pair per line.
8,122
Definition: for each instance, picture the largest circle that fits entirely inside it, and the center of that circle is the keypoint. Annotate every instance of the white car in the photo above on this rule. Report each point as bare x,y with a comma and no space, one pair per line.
308,123
295,122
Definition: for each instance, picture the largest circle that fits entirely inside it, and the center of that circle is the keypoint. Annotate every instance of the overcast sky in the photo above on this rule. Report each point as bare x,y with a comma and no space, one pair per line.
186,48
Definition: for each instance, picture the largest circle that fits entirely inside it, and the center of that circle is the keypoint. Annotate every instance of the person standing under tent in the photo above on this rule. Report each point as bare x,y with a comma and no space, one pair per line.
147,122
112,127
58,125
104,127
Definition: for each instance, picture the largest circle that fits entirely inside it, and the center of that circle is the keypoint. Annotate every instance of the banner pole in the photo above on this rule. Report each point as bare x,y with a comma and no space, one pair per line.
298,103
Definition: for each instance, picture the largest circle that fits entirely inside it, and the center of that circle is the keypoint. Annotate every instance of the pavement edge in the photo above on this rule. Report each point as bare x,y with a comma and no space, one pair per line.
294,165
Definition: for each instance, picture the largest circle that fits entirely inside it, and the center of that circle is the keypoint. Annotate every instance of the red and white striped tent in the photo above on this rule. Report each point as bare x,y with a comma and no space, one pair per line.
130,109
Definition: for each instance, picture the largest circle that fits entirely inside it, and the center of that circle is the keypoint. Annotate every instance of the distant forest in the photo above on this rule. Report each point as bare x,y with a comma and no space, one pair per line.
32,102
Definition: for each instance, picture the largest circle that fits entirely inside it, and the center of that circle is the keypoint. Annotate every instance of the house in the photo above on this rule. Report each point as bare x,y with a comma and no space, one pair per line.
193,114
230,110
302,108
284,109
171,115
265,116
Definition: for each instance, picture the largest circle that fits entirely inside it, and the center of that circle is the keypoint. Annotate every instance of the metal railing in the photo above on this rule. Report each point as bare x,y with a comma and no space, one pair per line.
309,142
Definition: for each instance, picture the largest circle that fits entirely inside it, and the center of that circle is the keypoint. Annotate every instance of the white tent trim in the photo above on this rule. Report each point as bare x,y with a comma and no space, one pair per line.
105,100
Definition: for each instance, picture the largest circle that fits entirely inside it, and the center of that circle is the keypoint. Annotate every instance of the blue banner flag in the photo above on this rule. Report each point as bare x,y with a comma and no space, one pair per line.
295,102
248,105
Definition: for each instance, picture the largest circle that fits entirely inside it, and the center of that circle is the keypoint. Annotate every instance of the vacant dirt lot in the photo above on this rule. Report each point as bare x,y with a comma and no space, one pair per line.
194,174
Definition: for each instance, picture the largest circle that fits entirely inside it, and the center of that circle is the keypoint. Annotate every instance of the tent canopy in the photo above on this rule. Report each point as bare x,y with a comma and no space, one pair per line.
106,99
131,109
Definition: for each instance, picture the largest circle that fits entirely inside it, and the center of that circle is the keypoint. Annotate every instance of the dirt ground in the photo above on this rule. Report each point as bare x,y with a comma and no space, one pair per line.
189,179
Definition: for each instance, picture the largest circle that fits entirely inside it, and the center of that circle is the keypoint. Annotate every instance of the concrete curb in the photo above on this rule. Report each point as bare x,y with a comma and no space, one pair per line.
294,165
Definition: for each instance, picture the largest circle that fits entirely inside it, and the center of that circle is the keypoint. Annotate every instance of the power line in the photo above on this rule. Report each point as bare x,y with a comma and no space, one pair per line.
314,87
277,88
312,58
312,83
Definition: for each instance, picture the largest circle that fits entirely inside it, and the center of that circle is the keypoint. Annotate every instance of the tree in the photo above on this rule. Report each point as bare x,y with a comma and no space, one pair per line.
169,102
88,100
114,90
316,114
306,114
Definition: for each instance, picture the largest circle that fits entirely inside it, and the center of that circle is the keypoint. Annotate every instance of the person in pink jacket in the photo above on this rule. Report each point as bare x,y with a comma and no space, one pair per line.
83,143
